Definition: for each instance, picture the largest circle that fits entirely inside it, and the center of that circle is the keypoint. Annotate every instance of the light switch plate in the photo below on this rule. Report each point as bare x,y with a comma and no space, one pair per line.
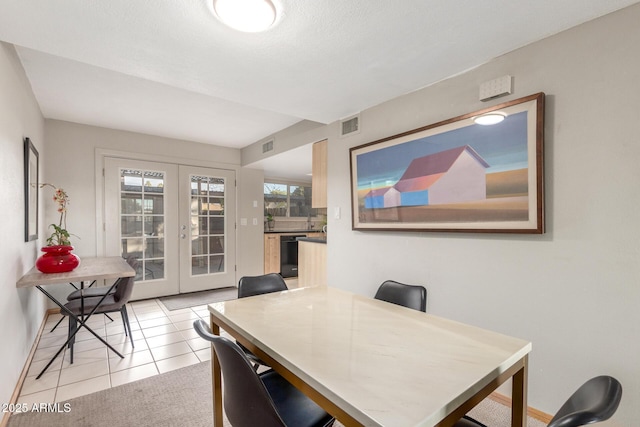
336,212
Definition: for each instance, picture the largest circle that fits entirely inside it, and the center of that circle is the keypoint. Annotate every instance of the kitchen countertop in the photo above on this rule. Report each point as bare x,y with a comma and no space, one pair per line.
312,239
290,231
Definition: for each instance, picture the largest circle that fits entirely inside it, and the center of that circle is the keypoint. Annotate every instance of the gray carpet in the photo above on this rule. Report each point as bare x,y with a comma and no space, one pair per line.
177,302
177,398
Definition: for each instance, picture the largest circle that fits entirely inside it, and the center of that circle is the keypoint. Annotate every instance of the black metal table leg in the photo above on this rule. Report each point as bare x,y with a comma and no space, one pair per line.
81,323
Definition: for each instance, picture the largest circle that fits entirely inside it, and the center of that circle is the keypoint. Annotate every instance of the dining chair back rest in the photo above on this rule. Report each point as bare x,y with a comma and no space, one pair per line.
246,400
411,296
124,287
266,399
596,400
249,286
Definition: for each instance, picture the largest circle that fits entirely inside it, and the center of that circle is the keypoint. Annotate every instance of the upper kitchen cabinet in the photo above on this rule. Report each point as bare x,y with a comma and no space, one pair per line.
319,175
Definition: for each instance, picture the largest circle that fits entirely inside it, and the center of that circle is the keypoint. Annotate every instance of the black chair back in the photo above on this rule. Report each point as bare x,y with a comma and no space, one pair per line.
596,400
249,286
265,400
246,400
411,296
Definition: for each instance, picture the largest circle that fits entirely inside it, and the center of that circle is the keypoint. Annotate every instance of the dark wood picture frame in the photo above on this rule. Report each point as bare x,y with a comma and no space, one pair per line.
31,171
455,175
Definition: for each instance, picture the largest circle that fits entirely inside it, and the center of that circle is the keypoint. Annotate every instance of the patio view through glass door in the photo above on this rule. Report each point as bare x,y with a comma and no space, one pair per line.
175,220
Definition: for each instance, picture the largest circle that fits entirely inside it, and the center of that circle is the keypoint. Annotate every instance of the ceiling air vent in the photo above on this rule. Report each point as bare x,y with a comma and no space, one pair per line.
267,146
350,125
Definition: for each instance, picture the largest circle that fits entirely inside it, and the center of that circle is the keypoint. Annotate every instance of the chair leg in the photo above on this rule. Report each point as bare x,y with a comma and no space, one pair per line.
127,325
108,317
73,325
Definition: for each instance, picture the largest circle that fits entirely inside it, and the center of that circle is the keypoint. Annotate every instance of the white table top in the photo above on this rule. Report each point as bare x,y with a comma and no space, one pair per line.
382,363
95,268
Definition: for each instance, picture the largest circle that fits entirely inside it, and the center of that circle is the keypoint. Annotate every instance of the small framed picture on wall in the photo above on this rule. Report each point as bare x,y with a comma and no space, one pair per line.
31,160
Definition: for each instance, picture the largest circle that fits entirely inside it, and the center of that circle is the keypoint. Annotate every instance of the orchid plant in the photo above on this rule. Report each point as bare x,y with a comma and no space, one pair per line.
60,235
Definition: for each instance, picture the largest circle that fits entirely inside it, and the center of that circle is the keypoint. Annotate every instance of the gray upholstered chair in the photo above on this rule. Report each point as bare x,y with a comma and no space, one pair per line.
411,296
99,291
249,286
112,303
596,400
266,399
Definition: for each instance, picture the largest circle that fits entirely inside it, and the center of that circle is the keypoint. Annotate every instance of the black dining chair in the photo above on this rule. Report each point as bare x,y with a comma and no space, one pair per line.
266,399
595,401
411,296
112,303
249,286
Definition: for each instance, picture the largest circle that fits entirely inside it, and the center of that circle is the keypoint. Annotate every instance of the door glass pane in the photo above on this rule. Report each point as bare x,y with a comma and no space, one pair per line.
207,224
142,220
199,265
216,263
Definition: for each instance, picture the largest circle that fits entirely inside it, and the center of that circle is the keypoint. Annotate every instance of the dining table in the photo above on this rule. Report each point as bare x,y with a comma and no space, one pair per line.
90,269
372,363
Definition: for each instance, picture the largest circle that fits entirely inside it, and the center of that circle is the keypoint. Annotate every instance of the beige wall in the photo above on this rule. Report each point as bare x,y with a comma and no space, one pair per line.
21,310
574,291
75,146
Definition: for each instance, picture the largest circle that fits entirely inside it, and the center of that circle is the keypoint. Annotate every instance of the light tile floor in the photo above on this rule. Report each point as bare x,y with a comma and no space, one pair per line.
163,341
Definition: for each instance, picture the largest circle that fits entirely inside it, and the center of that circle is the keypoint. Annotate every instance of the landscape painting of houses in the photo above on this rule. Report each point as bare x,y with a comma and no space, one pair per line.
454,176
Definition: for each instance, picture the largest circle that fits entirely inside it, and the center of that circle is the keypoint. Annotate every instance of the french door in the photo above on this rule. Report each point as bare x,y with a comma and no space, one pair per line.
207,200
178,221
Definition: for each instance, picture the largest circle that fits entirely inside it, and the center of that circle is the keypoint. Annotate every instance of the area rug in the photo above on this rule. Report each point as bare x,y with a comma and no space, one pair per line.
192,299
177,398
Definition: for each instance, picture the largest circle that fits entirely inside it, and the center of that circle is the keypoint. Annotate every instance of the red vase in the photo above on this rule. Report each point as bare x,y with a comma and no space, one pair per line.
57,259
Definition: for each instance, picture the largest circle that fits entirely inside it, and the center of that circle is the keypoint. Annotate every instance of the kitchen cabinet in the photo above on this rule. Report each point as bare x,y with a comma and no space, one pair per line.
319,175
312,264
271,253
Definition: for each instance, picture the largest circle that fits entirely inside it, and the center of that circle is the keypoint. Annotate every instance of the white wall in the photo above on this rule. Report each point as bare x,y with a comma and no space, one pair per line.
21,310
574,292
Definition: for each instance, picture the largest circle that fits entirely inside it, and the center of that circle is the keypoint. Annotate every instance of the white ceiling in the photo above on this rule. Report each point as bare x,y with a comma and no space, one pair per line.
169,68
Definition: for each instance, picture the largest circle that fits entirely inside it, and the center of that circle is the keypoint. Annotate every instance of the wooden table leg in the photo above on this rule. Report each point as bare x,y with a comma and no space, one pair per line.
519,395
216,379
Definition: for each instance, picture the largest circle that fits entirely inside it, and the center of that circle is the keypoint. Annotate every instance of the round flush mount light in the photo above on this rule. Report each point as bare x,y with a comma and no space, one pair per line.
492,118
250,16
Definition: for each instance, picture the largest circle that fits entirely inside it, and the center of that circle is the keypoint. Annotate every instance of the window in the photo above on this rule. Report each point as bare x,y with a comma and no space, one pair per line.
288,200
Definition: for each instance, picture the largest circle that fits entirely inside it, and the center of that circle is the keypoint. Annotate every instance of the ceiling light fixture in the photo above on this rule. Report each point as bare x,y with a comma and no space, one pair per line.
250,16
492,118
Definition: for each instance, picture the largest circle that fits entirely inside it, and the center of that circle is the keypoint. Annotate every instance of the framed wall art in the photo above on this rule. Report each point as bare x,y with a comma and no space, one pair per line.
456,175
31,160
